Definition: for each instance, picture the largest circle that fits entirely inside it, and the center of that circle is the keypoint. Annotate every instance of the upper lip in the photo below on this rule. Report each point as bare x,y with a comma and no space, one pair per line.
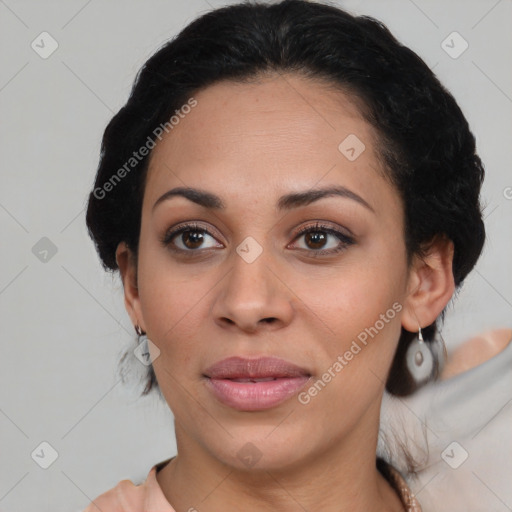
262,367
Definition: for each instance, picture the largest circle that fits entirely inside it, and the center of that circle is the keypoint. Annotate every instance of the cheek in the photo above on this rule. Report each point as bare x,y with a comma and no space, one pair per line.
171,306
362,312
168,292
174,303
360,306
353,296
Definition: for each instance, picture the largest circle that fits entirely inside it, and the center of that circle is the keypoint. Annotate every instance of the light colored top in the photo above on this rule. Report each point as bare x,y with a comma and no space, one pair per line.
149,497
459,432
127,497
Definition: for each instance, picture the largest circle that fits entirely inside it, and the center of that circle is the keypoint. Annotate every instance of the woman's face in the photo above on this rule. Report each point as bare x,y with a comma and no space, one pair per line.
245,284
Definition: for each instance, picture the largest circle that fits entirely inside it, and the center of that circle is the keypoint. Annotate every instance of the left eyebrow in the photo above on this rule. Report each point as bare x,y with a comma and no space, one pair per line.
297,199
285,202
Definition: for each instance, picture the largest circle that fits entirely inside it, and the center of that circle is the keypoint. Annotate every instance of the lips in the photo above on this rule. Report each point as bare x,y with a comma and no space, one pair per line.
254,384
261,368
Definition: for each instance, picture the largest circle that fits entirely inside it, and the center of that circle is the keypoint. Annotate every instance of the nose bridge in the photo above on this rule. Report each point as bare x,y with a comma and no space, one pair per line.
250,279
252,290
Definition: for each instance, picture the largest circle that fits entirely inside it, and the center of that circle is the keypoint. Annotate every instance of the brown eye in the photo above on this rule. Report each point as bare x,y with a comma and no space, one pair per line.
192,239
317,237
188,238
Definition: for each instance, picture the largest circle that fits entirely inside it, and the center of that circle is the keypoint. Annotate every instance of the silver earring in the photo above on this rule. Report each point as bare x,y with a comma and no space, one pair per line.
420,360
141,352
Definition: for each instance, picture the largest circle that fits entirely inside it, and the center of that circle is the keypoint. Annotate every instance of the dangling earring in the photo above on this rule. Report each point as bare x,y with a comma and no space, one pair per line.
142,351
420,360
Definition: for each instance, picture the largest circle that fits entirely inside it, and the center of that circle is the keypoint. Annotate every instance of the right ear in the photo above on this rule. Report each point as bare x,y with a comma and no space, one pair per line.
127,264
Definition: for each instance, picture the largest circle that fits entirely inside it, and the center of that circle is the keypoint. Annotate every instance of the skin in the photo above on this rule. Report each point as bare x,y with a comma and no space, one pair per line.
250,144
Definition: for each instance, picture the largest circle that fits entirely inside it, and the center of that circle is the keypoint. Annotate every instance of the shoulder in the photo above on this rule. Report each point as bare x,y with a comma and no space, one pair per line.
460,428
124,497
128,497
476,351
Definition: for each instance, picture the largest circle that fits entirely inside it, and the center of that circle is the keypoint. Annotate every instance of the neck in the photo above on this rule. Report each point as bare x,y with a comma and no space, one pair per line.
343,478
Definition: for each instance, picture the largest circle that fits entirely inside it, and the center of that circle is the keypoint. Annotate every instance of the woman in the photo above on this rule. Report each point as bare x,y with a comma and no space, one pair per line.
291,199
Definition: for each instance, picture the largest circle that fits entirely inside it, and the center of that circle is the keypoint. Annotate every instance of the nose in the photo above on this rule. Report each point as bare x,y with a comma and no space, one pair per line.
253,297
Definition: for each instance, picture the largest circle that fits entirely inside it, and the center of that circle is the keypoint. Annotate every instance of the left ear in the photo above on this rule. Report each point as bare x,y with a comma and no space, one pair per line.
430,286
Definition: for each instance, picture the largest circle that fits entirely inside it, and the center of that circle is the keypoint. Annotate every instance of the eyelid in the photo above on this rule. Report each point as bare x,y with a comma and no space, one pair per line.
328,227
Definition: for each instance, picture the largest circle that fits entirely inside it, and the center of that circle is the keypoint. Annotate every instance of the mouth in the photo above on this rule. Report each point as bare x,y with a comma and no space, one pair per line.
261,379
255,384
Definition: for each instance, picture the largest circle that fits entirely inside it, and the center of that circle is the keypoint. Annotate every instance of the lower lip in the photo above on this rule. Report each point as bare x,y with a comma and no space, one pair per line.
255,396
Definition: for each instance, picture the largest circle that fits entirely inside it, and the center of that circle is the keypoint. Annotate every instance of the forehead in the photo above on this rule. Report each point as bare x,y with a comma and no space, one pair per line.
280,133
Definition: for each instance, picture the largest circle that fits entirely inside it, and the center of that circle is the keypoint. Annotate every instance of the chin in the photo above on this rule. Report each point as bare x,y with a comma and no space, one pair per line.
263,448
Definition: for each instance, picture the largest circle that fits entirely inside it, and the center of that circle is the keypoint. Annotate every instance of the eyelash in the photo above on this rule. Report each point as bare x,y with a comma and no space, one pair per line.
345,240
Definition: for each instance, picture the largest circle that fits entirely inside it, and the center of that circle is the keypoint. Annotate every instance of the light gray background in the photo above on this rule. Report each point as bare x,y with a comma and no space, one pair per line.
63,321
